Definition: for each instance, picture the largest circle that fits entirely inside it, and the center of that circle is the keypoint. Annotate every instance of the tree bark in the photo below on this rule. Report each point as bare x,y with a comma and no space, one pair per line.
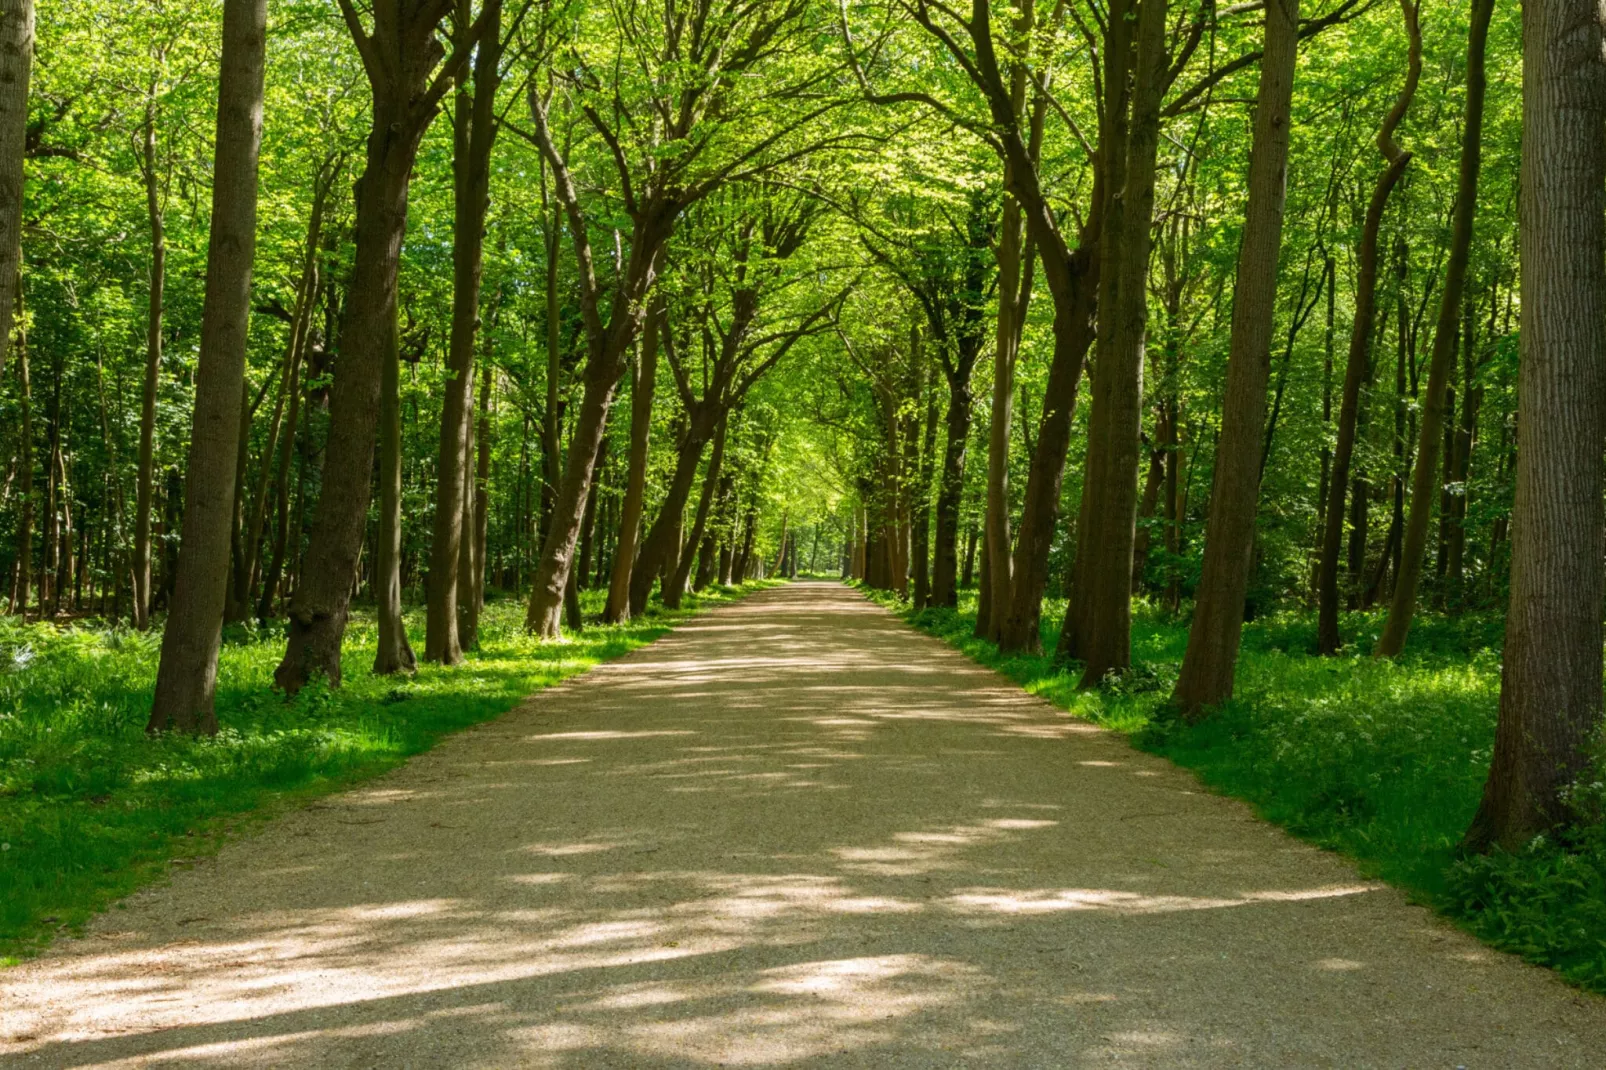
393,653
641,394
16,63
143,497
1328,639
1206,678
404,104
1550,687
24,568
187,675
675,585
474,131
1409,573
1105,584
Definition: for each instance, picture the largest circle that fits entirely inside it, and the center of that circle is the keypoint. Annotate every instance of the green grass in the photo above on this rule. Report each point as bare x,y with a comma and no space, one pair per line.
1381,761
91,808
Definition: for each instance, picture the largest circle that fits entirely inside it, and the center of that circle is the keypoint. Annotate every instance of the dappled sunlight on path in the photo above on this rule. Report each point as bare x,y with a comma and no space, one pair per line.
793,832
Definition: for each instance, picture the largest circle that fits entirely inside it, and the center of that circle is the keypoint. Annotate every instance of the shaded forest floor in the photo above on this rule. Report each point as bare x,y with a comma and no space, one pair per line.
91,809
1381,761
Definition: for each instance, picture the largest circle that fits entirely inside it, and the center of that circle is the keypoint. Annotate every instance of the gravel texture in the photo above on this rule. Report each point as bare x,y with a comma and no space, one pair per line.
792,833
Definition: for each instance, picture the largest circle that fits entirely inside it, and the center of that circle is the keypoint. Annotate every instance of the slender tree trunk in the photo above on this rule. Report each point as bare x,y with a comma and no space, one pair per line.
474,131
951,488
393,654
479,504
16,63
641,395
19,590
1206,679
995,556
675,586
153,366
920,534
1550,687
1328,639
187,675
1442,366
661,547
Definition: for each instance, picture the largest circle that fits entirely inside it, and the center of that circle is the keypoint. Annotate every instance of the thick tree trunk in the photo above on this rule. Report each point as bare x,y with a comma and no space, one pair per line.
393,653
1442,365
1328,639
187,676
1212,655
641,394
1105,585
324,581
145,479
16,63
473,132
1550,687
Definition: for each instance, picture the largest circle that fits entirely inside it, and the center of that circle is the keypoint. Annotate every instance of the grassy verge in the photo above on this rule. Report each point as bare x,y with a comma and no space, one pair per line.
90,808
1381,761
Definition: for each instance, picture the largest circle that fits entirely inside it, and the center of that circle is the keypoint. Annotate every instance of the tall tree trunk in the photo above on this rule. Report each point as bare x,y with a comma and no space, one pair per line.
24,570
1105,585
660,548
393,653
403,107
16,63
641,395
1550,687
951,486
920,535
675,585
1328,639
995,550
1444,342
143,498
1207,667
473,132
186,678
477,508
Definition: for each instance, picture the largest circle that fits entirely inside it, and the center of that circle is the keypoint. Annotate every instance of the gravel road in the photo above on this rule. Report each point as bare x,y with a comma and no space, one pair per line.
792,833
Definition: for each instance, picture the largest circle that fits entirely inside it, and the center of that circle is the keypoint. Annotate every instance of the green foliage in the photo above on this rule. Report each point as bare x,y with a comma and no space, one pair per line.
1382,761
91,808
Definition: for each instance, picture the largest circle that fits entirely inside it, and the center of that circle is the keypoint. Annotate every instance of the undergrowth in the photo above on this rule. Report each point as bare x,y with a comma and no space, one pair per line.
91,808
1382,761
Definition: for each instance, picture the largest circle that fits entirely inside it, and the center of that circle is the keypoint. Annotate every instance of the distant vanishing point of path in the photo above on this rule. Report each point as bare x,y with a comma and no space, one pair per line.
792,833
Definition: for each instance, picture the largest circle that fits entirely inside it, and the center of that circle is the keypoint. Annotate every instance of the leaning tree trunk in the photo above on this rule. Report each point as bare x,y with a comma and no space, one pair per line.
323,584
1409,571
660,548
1212,655
1328,639
641,394
675,584
393,653
474,130
16,62
187,676
1550,687
996,560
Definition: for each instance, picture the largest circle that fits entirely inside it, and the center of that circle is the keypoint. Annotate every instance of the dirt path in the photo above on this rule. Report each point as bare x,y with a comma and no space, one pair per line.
792,833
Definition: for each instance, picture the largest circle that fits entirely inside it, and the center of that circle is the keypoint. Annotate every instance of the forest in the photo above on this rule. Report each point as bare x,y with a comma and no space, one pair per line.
1233,376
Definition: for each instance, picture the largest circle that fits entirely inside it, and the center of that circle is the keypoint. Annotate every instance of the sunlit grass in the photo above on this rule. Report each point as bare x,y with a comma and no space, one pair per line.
1383,761
91,809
